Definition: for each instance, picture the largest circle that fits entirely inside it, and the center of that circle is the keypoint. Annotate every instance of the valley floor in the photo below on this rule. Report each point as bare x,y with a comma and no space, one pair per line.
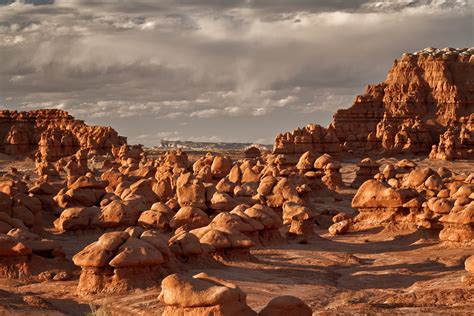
367,272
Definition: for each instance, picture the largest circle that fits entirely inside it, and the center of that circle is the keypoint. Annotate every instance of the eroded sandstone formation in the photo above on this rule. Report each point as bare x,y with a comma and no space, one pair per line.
457,142
122,260
404,196
203,295
53,133
22,254
427,95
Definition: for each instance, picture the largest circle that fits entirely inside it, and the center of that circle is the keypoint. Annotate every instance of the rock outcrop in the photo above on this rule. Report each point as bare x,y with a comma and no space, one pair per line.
427,95
23,254
53,133
122,260
202,295
457,142
406,196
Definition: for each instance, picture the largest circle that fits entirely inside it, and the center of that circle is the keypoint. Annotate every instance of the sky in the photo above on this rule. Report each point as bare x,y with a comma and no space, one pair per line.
211,70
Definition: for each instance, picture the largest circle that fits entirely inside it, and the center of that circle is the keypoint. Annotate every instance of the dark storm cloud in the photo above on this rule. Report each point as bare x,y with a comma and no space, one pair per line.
220,70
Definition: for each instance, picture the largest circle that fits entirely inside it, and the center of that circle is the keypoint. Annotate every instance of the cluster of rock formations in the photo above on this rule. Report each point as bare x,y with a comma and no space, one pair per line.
53,134
403,195
428,95
324,169
159,214
19,208
215,208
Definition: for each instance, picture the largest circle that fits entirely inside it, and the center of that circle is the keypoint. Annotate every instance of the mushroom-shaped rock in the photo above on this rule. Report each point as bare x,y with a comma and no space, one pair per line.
221,166
322,161
332,177
159,216
191,217
264,215
458,226
306,161
136,253
222,202
185,244
373,194
76,218
118,261
231,221
299,217
217,239
368,168
99,253
202,295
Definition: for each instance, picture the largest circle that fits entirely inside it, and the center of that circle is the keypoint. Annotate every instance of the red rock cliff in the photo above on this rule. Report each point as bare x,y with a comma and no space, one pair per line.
425,93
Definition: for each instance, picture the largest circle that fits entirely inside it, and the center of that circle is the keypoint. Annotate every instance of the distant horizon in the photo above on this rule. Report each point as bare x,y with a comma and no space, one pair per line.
206,71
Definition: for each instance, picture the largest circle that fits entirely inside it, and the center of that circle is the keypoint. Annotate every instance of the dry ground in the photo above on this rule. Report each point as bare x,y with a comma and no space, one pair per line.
364,273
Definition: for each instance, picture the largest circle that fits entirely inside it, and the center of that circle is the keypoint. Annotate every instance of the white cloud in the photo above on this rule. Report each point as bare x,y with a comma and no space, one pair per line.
206,68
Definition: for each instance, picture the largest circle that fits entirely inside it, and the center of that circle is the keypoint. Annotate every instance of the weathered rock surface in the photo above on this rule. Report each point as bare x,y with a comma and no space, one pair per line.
202,295
122,260
54,133
425,96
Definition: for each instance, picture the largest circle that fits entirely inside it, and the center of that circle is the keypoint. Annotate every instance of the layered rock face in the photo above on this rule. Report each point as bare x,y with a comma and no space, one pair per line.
426,94
54,133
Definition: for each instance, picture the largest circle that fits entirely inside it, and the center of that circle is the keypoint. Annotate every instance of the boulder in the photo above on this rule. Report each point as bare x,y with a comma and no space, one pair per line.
202,295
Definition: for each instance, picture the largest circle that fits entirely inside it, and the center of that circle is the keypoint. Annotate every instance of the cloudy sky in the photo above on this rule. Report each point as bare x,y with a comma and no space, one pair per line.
211,70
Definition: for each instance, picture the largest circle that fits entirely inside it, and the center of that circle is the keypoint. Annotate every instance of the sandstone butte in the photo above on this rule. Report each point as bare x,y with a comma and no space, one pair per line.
425,105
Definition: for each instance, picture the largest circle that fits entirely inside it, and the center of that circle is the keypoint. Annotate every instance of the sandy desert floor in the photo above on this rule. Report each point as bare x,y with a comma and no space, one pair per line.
377,271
